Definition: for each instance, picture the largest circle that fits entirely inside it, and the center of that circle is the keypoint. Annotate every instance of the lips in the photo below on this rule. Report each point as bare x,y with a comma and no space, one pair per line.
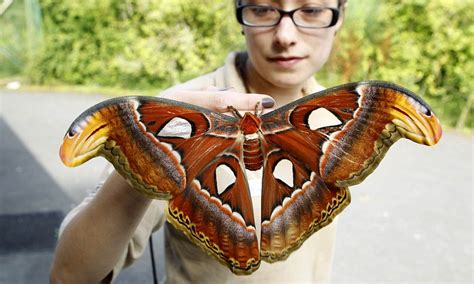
286,61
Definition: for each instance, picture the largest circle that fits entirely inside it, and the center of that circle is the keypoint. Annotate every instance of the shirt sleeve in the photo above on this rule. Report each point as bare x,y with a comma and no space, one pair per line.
154,218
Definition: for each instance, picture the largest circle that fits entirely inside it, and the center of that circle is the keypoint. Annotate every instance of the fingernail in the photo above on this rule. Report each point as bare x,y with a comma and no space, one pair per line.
268,102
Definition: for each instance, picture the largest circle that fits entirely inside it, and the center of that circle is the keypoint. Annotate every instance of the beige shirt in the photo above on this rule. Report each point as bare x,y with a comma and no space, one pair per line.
187,263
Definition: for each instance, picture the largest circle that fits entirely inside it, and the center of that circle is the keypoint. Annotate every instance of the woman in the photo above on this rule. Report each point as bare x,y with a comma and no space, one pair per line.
287,42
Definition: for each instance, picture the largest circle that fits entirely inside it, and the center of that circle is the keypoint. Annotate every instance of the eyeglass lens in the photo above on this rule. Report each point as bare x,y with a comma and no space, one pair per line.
315,17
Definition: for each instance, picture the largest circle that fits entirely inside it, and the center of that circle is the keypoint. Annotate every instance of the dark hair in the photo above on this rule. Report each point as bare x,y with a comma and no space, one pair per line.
341,3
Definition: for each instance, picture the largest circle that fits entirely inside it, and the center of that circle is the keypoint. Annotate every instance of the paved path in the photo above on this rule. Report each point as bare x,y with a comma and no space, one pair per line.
409,221
37,190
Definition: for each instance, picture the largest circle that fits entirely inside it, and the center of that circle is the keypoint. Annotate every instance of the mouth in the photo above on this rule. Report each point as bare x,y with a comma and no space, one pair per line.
286,61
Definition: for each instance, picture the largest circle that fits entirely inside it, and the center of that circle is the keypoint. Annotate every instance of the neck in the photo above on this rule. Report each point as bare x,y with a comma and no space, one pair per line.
257,84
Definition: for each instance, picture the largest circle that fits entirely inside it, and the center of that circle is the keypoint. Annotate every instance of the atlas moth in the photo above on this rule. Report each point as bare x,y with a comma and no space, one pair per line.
197,159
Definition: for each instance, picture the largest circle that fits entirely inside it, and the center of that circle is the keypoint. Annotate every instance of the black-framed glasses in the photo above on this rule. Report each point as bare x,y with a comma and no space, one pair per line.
305,17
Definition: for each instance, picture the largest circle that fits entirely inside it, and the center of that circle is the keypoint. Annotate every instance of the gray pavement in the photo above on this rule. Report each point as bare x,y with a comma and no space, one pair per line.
410,221
37,190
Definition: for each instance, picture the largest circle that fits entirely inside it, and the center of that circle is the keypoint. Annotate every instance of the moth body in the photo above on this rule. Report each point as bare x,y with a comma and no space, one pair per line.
252,150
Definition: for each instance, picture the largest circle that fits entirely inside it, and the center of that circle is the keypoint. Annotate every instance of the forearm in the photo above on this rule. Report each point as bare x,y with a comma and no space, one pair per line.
94,240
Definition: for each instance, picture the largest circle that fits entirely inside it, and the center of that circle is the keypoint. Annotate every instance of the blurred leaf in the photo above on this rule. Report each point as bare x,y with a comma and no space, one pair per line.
133,44
426,46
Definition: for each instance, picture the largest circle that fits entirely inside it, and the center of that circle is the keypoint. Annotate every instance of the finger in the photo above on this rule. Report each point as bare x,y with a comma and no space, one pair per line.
209,88
215,88
267,110
241,101
226,89
221,100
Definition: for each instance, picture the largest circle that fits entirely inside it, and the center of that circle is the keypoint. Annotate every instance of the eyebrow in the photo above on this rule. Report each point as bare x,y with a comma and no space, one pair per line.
280,2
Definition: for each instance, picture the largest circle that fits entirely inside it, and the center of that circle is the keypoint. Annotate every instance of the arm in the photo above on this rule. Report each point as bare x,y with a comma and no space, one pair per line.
93,242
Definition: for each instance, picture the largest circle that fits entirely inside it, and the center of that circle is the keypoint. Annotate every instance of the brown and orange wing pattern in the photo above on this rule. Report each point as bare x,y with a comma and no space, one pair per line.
171,150
176,151
221,222
367,118
292,211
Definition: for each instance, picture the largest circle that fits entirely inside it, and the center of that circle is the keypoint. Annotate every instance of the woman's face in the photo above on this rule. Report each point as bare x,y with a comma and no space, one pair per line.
286,55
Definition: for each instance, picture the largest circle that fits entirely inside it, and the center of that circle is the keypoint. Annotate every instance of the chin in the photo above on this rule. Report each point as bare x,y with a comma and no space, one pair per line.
288,80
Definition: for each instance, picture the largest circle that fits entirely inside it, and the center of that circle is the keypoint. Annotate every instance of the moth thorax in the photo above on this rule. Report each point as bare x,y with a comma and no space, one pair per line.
250,123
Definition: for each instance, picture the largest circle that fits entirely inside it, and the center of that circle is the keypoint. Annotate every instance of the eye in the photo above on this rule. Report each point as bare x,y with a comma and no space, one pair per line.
311,11
261,11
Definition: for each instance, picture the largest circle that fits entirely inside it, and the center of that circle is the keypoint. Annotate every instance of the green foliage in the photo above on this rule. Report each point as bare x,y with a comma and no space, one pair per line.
133,44
19,35
424,45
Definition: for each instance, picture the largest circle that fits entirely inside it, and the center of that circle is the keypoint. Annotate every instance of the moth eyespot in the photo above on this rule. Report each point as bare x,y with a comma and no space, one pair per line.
225,177
74,130
177,127
419,107
322,117
283,171
425,111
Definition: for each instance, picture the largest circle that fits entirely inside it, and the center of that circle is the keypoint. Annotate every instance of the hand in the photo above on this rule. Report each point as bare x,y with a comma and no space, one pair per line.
219,100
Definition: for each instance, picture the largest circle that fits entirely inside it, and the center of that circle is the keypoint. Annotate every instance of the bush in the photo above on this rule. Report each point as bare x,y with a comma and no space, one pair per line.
20,34
426,46
133,44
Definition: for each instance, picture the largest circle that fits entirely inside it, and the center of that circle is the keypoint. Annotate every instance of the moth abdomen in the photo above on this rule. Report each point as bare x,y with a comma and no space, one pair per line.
253,157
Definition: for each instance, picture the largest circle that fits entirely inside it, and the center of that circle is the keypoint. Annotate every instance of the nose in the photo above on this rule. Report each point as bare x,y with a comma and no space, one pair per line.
285,32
